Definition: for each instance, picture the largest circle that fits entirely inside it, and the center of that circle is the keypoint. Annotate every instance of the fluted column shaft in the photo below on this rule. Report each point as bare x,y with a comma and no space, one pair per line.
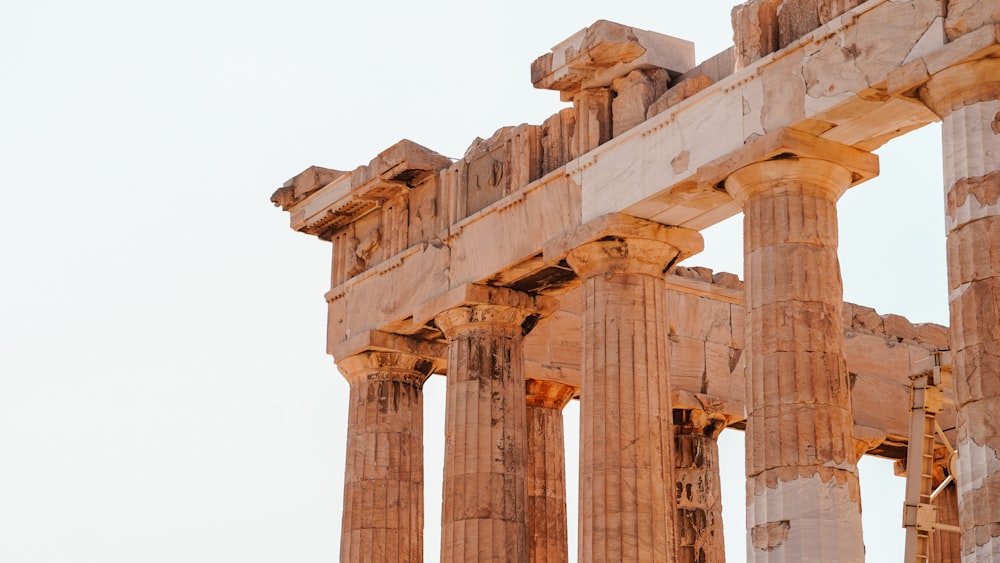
547,471
802,483
384,477
699,487
485,505
627,507
967,98
945,547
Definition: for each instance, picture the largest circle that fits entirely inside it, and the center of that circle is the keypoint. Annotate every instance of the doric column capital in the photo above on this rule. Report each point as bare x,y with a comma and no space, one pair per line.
823,178
382,365
382,356
706,410
616,255
962,85
485,315
698,422
548,394
619,243
495,308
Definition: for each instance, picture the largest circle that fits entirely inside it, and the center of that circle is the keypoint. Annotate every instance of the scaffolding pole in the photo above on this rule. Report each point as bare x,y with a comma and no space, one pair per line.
919,514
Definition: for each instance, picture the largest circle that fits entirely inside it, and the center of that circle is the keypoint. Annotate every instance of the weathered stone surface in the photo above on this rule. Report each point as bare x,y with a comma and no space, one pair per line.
679,92
699,490
968,15
946,546
797,18
593,120
802,477
898,326
384,481
627,509
496,167
715,68
967,97
634,94
557,139
596,55
411,230
547,527
755,30
485,508
302,185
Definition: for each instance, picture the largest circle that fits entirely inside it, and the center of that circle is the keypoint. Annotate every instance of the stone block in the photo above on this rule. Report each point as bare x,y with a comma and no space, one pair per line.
556,140
866,319
595,56
593,120
496,167
798,18
728,280
302,185
755,30
716,67
679,92
634,94
897,326
968,15
929,333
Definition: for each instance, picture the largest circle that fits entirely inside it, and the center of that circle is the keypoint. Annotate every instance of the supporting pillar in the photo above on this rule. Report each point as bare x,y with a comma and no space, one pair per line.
945,546
384,478
967,98
699,487
547,471
803,496
627,506
485,505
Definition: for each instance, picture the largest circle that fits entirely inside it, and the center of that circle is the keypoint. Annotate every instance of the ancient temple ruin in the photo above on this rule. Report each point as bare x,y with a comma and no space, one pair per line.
551,262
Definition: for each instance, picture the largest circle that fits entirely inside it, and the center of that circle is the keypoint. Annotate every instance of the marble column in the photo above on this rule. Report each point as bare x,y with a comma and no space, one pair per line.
803,496
945,547
547,527
485,506
627,501
967,98
384,478
699,487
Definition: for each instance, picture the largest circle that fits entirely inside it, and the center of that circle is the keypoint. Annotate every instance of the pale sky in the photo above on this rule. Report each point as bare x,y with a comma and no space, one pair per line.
164,392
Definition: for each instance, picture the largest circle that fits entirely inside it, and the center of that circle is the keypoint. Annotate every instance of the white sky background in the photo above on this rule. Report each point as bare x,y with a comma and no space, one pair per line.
164,393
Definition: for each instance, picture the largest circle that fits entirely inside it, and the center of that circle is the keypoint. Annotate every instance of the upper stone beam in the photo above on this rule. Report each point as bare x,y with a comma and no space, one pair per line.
303,185
595,56
908,81
830,83
791,143
322,201
378,341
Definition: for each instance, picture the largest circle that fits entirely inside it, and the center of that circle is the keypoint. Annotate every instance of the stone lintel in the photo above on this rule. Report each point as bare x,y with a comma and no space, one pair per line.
405,162
725,410
868,439
961,85
468,295
905,81
713,291
791,143
539,369
379,341
618,225
302,185
594,56
346,197
548,394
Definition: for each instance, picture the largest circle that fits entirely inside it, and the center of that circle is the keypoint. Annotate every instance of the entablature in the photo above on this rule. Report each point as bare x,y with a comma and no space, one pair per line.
322,201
